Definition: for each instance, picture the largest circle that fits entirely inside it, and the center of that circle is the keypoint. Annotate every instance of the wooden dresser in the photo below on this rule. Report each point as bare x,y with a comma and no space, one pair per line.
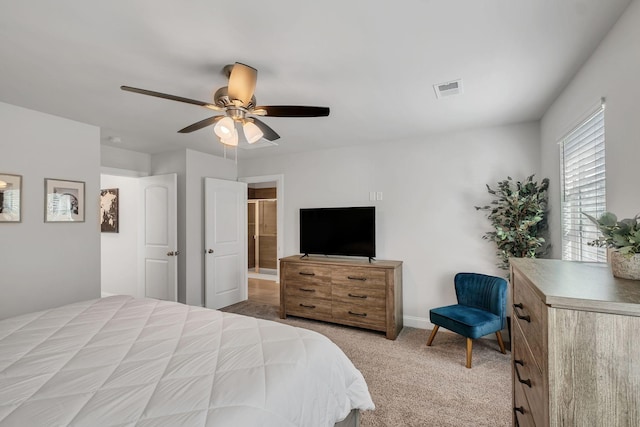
575,345
338,290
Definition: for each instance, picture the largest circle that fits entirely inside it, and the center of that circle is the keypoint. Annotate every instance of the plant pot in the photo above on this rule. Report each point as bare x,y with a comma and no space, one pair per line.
625,267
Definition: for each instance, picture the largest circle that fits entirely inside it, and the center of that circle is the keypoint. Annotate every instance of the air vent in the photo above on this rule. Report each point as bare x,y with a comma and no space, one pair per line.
451,88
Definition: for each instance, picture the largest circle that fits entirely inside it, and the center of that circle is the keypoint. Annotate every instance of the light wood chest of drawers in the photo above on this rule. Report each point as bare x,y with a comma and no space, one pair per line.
348,292
575,346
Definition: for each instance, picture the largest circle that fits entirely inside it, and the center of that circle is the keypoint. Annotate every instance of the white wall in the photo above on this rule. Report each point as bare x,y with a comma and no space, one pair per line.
121,158
44,265
120,262
426,217
612,71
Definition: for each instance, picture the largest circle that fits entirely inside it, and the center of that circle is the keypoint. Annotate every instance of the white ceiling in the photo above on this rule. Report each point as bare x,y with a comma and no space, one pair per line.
374,63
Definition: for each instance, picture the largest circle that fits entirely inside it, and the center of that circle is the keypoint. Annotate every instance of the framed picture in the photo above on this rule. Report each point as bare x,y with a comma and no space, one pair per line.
64,201
109,210
10,197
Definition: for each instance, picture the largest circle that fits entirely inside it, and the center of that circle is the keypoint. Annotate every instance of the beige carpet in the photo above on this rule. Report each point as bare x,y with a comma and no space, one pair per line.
415,385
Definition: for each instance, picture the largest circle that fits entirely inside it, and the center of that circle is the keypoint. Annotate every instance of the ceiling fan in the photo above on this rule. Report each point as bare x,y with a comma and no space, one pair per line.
238,103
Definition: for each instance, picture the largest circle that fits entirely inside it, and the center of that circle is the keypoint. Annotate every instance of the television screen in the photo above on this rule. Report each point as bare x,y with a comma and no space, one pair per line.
338,231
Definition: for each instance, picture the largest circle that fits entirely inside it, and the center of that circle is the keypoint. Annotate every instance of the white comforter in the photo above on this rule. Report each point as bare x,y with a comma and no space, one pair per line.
124,361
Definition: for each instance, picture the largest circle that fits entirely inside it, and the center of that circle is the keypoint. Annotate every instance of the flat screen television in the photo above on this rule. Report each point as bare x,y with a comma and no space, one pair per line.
349,231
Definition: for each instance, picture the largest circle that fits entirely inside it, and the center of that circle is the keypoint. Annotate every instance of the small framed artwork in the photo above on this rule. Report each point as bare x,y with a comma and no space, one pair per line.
10,197
64,200
109,210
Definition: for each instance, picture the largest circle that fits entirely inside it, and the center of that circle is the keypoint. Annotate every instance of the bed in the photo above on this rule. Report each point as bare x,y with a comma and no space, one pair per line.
143,362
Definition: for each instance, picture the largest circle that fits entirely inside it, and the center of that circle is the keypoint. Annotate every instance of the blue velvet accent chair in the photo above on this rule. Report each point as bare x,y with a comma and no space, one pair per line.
481,309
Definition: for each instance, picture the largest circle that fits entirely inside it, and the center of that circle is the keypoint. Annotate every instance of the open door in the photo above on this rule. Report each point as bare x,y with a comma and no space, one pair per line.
225,210
158,198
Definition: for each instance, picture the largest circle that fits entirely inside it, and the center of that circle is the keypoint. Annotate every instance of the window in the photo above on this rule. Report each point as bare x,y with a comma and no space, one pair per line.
583,188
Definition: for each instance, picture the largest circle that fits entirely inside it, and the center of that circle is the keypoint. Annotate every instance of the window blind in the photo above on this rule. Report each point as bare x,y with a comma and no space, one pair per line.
583,188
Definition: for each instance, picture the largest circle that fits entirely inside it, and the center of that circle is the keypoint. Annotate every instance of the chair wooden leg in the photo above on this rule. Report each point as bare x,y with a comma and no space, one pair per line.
500,342
433,334
469,348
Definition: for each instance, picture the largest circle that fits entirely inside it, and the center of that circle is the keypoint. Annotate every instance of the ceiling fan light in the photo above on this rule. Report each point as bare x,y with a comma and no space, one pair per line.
231,139
252,132
224,128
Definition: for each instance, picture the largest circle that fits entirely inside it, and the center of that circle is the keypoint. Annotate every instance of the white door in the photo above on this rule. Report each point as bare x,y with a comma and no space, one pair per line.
225,229
159,258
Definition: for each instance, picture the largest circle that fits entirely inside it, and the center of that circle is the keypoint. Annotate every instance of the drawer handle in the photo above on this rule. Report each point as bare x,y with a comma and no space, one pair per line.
526,318
307,290
304,273
357,314
517,362
307,306
357,296
362,279
515,412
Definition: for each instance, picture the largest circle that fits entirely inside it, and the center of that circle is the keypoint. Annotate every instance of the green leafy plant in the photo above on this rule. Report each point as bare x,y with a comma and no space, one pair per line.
518,214
623,235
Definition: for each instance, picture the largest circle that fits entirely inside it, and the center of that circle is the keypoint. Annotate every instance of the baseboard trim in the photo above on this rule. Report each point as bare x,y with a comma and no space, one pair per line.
265,274
417,322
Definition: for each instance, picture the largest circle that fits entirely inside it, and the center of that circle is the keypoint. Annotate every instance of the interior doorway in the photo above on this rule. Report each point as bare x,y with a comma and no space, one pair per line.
256,190
262,232
139,258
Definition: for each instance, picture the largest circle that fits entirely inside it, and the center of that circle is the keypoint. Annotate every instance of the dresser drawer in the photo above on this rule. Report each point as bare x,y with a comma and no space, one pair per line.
362,315
307,273
304,289
521,413
312,308
527,374
359,276
360,306
530,314
360,296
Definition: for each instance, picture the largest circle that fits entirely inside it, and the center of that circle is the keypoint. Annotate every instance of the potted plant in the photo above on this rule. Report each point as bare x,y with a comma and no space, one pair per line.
518,216
623,240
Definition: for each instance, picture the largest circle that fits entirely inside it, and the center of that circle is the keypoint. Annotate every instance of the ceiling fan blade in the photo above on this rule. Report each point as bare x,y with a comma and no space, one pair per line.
171,97
293,111
268,133
242,83
199,125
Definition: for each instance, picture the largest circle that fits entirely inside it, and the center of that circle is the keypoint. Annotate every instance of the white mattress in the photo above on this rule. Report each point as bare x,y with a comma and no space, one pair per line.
125,361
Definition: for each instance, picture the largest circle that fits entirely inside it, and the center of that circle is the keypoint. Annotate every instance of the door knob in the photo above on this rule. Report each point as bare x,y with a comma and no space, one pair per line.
210,251
173,253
